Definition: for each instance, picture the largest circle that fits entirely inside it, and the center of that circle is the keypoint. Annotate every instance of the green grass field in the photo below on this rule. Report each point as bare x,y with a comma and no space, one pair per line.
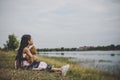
76,72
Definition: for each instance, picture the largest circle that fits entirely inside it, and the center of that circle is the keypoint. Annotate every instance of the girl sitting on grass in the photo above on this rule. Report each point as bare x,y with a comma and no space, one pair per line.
23,62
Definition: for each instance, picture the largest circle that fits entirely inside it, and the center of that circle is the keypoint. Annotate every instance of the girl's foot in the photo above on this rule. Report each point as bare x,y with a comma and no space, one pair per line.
65,69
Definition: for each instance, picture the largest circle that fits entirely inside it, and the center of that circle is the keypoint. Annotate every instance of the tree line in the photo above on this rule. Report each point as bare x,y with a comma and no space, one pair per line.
57,49
84,48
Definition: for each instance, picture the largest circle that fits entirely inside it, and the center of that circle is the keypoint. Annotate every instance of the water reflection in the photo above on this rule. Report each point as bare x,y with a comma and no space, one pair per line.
107,61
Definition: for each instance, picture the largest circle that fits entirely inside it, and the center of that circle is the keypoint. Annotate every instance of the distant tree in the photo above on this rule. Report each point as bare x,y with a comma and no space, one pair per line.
73,49
12,43
118,47
62,48
112,47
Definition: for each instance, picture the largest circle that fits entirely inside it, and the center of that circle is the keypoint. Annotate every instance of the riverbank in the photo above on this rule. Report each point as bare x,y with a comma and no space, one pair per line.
76,72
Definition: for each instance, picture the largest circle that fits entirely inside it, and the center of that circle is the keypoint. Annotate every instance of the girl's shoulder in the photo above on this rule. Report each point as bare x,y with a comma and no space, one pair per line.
26,49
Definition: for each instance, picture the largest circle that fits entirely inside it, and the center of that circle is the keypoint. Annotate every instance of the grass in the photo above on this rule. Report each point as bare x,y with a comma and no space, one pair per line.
76,72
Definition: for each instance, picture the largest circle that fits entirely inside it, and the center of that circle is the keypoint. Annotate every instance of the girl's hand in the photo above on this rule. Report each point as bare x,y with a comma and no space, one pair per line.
35,57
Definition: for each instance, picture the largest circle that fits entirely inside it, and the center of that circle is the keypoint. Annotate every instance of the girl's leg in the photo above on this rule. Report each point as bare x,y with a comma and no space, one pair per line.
37,69
41,66
63,70
56,69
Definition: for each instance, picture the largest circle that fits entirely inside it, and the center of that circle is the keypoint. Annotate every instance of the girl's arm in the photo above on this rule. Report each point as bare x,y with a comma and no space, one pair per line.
27,51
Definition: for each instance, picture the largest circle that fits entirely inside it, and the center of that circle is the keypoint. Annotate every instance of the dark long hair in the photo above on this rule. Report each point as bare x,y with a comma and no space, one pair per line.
23,44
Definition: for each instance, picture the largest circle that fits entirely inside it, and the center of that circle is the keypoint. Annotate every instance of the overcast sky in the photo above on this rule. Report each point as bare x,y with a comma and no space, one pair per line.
61,23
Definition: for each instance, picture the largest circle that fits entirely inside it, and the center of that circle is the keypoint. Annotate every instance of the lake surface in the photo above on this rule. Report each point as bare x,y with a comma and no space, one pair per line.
106,61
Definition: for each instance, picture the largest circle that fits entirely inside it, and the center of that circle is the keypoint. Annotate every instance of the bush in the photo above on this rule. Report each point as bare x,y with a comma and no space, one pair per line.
12,43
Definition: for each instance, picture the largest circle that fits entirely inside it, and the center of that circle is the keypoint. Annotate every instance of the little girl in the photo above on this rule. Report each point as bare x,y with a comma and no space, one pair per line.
24,51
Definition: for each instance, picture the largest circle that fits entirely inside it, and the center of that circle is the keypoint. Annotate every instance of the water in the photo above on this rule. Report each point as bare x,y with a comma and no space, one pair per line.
106,61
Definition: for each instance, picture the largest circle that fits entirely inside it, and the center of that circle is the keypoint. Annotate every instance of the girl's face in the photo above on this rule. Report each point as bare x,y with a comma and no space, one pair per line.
30,42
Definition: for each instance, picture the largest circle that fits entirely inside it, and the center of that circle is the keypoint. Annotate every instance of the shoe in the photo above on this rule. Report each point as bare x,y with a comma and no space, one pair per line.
65,69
